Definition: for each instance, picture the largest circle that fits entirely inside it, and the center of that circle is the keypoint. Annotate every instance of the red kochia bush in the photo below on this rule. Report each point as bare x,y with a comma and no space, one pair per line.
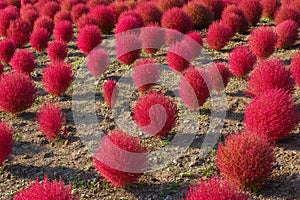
149,12
118,8
57,78
145,74
117,148
85,20
218,76
62,16
242,19
269,7
176,19
128,48
6,141
132,13
262,41
44,22
217,6
66,5
23,61
165,5
218,35
7,50
30,14
155,114
252,9
246,160
57,51
50,9
63,31
97,62
39,39
287,33
287,12
50,120
88,38
19,31
201,15
47,191
193,90
295,68
7,15
273,114
270,74
214,189
195,41
17,92
110,92
152,38
104,17
78,10
241,61
179,56
127,23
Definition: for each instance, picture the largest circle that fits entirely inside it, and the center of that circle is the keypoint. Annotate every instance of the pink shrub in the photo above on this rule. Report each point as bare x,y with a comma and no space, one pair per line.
269,7
50,9
242,19
57,78
193,90
218,76
252,9
114,149
17,92
232,20
46,190
62,16
78,10
88,38
295,68
165,5
241,61
127,23
63,31
23,61
134,14
287,33
19,31
245,160
176,19
39,39
146,72
67,5
270,74
179,56
218,35
214,189
128,48
262,41
94,3
104,17
7,15
97,62
155,114
57,51
111,91
152,38
50,120
118,8
85,20
7,50
44,22
6,141
195,41
149,12
273,114
30,14
287,12
216,6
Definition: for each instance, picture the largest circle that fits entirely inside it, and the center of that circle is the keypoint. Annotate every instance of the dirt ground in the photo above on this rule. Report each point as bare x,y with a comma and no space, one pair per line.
69,160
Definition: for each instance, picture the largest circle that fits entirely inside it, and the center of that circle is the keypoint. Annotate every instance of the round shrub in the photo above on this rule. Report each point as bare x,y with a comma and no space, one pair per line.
85,20
94,3
44,22
118,8
88,38
132,13
287,33
295,68
57,51
39,39
50,120
214,189
62,16
273,114
128,48
176,19
252,9
50,9
216,6
63,31
241,61
127,23
30,14
104,17
262,41
194,42
66,5
242,19
201,15
232,20
165,5
245,160
7,15
155,114
218,76
6,141
23,61
57,78
152,38
270,74
287,12
114,149
78,10
111,91
19,31
193,90
7,50
218,35
146,72
149,12
270,7
46,190
17,92
97,62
